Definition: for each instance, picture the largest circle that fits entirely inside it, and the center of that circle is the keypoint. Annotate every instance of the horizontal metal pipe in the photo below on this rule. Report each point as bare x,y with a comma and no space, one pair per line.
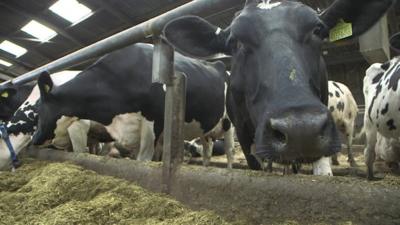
129,36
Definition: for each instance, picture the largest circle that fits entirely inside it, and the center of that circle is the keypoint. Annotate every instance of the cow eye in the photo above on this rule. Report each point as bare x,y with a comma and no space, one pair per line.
320,30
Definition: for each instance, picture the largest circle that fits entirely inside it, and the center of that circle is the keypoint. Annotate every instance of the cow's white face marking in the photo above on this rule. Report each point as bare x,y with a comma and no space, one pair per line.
164,87
267,5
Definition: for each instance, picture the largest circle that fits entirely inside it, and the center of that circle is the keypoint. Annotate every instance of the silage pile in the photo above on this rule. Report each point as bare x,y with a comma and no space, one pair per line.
62,193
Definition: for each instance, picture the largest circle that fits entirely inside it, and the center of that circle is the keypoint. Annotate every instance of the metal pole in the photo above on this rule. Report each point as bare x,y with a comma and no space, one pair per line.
132,35
174,113
174,118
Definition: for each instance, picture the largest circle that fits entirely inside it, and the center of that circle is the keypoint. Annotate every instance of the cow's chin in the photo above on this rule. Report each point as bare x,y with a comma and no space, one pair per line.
296,156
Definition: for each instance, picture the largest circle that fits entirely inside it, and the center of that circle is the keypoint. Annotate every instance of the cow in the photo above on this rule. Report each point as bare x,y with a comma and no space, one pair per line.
344,110
120,82
11,97
194,148
278,89
382,105
73,134
21,125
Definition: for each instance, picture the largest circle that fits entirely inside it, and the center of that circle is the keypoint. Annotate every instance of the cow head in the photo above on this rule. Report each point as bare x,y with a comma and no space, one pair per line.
7,101
11,97
278,77
49,111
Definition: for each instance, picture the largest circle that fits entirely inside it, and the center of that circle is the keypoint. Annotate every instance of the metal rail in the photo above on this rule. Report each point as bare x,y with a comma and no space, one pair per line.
129,36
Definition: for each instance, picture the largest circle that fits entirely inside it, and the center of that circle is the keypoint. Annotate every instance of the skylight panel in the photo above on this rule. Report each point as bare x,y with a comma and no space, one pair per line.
12,48
39,31
71,10
5,63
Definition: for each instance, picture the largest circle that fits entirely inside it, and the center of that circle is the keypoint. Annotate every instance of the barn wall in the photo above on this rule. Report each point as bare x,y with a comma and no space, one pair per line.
351,75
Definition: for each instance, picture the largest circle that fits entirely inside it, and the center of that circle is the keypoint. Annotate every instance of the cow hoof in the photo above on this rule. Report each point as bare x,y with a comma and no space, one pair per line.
376,177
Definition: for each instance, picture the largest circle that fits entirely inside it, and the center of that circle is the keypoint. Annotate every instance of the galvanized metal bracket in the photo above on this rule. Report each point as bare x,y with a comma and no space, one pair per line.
163,62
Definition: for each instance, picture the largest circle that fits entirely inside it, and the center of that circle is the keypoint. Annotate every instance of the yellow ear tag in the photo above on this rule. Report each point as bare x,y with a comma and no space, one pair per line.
4,94
341,31
47,88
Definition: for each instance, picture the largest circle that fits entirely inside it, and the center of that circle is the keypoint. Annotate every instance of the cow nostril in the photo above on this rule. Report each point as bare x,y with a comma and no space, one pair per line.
279,136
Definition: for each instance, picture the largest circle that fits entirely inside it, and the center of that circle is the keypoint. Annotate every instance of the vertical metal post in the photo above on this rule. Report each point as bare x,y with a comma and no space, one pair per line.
174,114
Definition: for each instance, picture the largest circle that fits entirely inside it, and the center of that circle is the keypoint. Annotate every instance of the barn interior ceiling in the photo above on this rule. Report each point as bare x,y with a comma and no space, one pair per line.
104,18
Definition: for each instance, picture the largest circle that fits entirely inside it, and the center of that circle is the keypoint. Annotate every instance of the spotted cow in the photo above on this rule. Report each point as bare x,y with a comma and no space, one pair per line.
344,111
382,106
23,122
120,83
130,132
278,88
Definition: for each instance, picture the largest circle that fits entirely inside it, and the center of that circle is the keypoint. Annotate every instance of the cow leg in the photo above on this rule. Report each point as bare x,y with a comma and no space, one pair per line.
349,137
246,143
322,167
286,170
207,150
78,133
335,160
269,166
147,138
369,153
259,161
228,146
296,167
159,140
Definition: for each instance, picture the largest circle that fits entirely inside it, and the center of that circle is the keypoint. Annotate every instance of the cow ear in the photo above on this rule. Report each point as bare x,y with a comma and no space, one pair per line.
8,92
196,37
361,14
45,84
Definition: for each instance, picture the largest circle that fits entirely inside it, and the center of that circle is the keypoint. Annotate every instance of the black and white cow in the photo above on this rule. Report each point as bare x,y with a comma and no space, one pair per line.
278,89
22,124
344,111
11,97
382,105
120,83
131,131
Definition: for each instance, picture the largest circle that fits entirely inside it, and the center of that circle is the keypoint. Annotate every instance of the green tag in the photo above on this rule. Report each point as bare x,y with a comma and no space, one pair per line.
342,30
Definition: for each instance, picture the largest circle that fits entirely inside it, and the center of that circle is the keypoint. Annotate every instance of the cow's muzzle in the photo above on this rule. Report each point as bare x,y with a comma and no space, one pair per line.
301,137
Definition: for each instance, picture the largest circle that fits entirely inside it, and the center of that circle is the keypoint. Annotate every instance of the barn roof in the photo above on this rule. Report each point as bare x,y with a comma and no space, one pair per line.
109,17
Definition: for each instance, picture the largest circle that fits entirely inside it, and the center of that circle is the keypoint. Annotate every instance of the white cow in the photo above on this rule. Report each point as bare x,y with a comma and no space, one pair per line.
382,105
344,111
